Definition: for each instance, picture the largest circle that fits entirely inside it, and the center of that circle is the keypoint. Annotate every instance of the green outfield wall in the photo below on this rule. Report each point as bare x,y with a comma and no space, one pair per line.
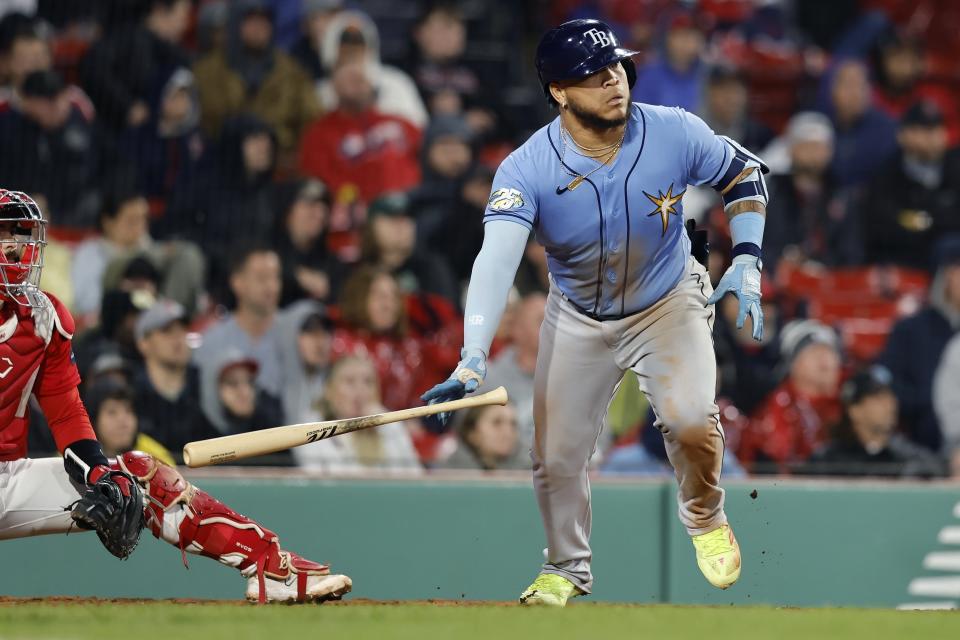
804,543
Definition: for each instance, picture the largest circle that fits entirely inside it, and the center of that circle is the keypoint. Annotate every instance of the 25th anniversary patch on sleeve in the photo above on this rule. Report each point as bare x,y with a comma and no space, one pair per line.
506,199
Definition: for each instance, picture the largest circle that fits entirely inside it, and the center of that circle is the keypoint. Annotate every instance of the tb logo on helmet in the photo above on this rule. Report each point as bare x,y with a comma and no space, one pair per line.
600,38
577,49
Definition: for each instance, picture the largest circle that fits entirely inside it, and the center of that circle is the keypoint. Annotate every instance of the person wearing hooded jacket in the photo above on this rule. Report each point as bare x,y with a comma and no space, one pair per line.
249,74
231,402
353,36
169,144
304,337
310,269
229,199
357,150
315,17
120,70
447,158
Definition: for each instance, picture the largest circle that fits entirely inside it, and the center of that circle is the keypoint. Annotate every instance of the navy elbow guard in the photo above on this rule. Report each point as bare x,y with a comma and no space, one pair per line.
743,179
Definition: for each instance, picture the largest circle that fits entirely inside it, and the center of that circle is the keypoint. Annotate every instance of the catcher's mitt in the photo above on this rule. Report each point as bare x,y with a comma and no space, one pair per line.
113,507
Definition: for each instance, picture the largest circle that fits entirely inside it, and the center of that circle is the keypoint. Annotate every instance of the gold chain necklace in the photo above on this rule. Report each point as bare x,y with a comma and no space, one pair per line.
565,135
578,177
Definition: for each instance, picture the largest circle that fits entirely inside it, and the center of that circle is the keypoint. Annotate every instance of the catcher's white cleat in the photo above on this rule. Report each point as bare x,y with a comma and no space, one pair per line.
297,580
317,588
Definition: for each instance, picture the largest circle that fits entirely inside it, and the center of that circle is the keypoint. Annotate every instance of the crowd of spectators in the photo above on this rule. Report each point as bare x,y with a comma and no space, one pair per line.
265,212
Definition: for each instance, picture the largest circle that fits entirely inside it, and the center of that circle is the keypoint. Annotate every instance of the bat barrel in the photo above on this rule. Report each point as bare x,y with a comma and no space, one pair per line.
255,443
237,447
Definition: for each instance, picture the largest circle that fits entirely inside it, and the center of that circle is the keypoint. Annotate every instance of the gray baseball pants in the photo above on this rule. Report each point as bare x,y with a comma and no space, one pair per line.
580,363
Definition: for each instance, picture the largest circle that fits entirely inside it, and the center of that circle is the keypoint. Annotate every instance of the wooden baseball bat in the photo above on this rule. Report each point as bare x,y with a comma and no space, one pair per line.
255,443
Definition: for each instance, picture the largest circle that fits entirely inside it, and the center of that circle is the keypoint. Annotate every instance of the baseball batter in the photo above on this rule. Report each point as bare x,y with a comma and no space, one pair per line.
84,489
601,187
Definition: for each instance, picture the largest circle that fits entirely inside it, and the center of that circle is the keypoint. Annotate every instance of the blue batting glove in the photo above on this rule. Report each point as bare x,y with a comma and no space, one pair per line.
742,279
466,378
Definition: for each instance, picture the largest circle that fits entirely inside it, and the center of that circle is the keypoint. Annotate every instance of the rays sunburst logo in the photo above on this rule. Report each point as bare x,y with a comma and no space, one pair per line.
665,205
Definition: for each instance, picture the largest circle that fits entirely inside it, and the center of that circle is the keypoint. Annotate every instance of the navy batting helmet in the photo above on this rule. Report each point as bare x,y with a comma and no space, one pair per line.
577,49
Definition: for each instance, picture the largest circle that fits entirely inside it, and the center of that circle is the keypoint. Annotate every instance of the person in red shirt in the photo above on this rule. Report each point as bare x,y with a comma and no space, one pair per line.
411,339
375,323
358,151
792,422
36,358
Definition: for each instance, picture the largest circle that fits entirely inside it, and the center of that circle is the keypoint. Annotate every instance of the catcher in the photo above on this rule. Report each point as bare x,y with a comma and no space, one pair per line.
84,489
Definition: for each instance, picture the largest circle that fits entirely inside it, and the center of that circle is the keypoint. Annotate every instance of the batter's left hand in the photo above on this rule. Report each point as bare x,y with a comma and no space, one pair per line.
466,378
742,279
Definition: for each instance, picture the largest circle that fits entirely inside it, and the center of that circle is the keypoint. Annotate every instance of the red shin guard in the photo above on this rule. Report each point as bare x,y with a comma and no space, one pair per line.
209,527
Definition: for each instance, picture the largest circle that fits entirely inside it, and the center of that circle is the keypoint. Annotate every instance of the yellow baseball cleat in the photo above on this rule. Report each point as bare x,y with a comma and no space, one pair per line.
718,556
549,590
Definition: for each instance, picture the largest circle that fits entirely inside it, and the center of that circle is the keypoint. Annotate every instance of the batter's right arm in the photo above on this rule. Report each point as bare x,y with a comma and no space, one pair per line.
493,273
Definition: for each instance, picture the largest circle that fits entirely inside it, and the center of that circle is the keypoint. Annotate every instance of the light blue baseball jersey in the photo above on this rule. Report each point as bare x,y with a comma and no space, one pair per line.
615,244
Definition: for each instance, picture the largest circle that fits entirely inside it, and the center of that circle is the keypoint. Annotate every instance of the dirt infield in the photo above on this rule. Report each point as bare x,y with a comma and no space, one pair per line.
10,601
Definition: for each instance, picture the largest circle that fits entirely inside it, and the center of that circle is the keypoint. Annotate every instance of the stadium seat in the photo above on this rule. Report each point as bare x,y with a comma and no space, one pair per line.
864,340
67,51
881,281
832,309
69,235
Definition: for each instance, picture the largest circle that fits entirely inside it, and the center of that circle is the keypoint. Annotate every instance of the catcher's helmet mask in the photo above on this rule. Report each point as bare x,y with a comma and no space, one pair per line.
577,49
23,236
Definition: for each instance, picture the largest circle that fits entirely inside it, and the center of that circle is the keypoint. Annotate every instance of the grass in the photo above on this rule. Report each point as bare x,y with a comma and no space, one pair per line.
212,621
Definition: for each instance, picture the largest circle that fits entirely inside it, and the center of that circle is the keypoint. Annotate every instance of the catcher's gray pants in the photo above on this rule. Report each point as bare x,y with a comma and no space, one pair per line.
581,361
